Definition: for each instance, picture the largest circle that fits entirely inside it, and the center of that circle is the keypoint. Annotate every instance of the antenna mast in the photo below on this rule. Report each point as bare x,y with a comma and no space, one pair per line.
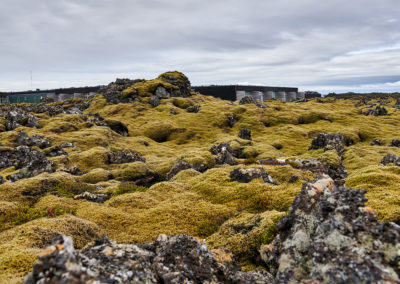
31,81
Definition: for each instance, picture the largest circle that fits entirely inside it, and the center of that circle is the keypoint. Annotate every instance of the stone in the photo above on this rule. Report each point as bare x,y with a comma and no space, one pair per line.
330,236
231,120
378,111
2,180
376,142
245,133
74,170
182,165
169,259
17,117
35,140
390,159
247,175
55,151
193,109
155,101
395,143
172,111
121,157
93,197
223,154
113,92
329,141
247,100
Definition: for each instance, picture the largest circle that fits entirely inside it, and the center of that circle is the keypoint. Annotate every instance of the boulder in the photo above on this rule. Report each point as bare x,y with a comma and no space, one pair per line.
245,133
390,159
378,111
247,175
121,157
224,154
329,141
113,92
193,109
93,197
395,143
35,140
17,117
231,120
247,100
170,259
182,165
376,142
330,236
155,101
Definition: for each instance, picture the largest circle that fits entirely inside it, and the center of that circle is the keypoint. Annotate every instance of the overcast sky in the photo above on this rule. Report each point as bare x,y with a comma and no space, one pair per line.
336,45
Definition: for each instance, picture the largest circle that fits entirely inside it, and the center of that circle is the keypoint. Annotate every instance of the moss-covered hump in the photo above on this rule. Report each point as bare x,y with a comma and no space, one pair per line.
190,200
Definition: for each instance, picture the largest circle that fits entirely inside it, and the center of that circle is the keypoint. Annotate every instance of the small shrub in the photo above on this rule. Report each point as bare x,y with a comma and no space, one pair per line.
129,187
22,215
69,189
271,231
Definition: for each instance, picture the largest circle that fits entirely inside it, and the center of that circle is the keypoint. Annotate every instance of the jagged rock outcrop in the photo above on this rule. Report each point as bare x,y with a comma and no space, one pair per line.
113,92
178,80
231,120
245,133
36,140
30,162
247,175
328,141
330,236
55,151
93,197
337,173
170,259
223,154
378,111
395,143
182,165
114,125
121,157
390,159
17,117
251,100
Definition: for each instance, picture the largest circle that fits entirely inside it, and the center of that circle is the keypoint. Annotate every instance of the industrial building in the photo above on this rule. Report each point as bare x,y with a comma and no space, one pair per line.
259,93
56,95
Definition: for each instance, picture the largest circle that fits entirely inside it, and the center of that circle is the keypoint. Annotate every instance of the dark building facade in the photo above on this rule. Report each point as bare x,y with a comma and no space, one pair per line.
259,93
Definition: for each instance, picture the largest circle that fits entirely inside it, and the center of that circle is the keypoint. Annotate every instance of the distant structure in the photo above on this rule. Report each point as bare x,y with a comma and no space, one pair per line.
259,93
55,94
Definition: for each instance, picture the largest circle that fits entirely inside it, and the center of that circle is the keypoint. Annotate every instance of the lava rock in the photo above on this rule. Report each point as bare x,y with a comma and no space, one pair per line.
2,180
330,236
180,81
121,157
231,120
182,165
55,151
378,111
247,175
245,133
293,179
74,170
113,92
118,127
17,117
35,140
390,159
193,109
395,143
30,162
93,197
170,259
247,100
224,154
376,142
329,141
155,101
172,111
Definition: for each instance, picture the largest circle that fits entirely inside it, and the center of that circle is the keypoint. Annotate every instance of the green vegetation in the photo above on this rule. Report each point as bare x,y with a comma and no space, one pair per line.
69,189
129,187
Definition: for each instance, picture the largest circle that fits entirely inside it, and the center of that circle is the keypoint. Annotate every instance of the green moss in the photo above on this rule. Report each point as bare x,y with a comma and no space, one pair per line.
69,189
131,171
182,103
128,187
96,175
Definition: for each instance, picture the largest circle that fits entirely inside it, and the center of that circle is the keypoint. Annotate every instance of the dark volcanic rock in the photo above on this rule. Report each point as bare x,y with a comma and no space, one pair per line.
245,133
247,100
395,143
55,151
2,180
390,159
121,157
113,91
155,101
182,165
224,154
328,141
247,175
93,197
330,237
115,125
378,111
17,117
30,162
376,142
35,140
74,170
180,81
170,259
231,120
193,109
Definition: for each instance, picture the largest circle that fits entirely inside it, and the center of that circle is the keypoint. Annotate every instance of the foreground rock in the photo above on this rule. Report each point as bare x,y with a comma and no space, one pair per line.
36,140
330,237
30,162
93,197
390,159
224,154
247,175
378,111
173,259
182,165
17,117
328,141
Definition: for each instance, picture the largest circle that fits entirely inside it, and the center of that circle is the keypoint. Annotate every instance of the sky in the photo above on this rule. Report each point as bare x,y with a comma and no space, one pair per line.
326,46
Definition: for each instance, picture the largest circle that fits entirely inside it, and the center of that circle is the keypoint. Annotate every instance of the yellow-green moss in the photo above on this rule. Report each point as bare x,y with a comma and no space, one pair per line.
96,175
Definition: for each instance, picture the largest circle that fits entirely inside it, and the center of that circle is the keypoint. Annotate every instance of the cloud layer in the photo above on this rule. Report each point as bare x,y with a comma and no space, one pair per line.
336,45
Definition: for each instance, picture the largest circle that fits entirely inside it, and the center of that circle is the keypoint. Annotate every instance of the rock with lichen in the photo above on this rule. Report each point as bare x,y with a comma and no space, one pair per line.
247,175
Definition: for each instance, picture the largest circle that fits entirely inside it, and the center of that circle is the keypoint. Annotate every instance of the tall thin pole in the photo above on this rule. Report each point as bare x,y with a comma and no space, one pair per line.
31,81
